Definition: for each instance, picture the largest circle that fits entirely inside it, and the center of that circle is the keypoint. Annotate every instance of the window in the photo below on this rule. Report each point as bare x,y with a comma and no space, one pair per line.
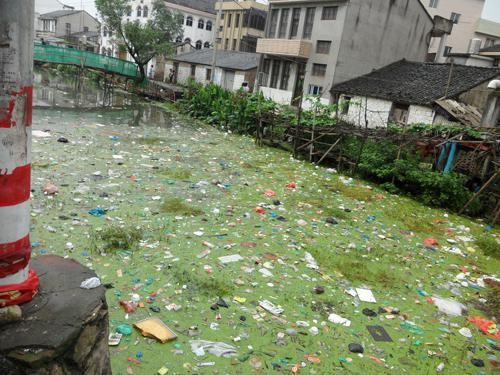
265,72
226,43
237,21
274,23
139,11
229,17
68,29
447,50
206,45
208,74
234,44
275,74
187,41
201,24
294,27
308,26
399,113
178,39
189,21
145,11
433,3
315,90
285,75
489,43
85,29
455,17
323,46
105,31
222,16
129,11
208,26
283,23
193,70
199,44
319,70
329,13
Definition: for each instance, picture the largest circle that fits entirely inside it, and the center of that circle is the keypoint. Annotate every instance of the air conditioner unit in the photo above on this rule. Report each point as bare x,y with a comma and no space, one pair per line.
474,46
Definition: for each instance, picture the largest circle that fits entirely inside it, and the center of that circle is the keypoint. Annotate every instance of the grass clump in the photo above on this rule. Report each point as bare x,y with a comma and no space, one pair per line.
176,174
489,246
177,206
414,221
149,140
116,237
208,285
351,191
357,269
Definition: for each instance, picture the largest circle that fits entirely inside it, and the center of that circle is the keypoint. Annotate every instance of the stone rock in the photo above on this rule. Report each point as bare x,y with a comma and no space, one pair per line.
356,348
64,329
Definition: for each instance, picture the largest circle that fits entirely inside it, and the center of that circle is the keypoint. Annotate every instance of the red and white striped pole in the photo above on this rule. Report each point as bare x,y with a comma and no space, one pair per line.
18,283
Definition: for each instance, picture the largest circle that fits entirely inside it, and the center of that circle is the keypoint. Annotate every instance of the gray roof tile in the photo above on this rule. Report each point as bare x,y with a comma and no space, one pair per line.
415,82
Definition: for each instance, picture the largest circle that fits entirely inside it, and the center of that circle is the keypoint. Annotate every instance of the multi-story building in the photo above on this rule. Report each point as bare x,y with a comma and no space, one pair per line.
198,23
241,23
470,33
70,25
312,45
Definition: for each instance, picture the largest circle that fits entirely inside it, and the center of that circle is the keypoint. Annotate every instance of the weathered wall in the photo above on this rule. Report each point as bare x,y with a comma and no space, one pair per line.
377,111
469,10
420,114
279,96
78,22
478,96
378,33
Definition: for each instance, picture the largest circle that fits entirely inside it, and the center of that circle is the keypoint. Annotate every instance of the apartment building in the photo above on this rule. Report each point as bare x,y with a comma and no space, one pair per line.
198,23
72,26
312,45
241,23
470,32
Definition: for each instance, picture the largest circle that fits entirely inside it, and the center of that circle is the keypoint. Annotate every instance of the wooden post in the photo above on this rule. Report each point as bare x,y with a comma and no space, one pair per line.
295,139
476,195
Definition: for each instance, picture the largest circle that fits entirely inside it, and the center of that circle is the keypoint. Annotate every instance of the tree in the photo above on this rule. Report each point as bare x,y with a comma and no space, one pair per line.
143,41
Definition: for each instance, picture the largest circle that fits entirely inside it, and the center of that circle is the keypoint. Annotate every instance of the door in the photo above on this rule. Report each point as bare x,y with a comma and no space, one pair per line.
176,72
228,79
299,84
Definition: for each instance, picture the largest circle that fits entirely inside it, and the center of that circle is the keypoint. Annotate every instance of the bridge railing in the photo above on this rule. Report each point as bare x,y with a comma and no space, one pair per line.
63,55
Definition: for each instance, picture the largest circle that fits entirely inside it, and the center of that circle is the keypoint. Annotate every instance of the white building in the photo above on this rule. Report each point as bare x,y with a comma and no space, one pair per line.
413,92
232,68
198,25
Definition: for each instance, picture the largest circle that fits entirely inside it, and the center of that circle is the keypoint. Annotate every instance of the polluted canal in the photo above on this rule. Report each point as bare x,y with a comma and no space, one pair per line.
235,259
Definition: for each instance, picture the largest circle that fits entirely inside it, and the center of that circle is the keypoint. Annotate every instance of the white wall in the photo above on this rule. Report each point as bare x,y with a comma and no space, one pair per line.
420,114
377,111
279,96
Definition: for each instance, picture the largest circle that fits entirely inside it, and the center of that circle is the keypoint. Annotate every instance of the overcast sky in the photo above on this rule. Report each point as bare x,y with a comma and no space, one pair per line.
491,10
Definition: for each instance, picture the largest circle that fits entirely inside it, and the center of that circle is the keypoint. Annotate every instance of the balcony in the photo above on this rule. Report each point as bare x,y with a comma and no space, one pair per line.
285,47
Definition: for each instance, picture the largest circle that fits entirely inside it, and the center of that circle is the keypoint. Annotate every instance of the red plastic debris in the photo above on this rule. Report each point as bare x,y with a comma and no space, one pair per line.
486,326
429,241
260,210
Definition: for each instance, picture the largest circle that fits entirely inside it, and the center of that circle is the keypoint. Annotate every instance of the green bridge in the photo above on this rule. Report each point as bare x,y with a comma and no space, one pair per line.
71,56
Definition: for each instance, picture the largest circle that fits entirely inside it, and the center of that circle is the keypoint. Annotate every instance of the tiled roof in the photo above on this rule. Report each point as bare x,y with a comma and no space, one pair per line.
225,59
203,5
415,82
58,13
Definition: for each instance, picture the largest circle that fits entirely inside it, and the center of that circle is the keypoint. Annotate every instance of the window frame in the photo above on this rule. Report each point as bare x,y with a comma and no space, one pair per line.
295,22
145,11
326,51
309,23
208,25
283,23
285,75
312,88
192,72
273,23
455,17
202,23
319,70
275,73
324,13
189,21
